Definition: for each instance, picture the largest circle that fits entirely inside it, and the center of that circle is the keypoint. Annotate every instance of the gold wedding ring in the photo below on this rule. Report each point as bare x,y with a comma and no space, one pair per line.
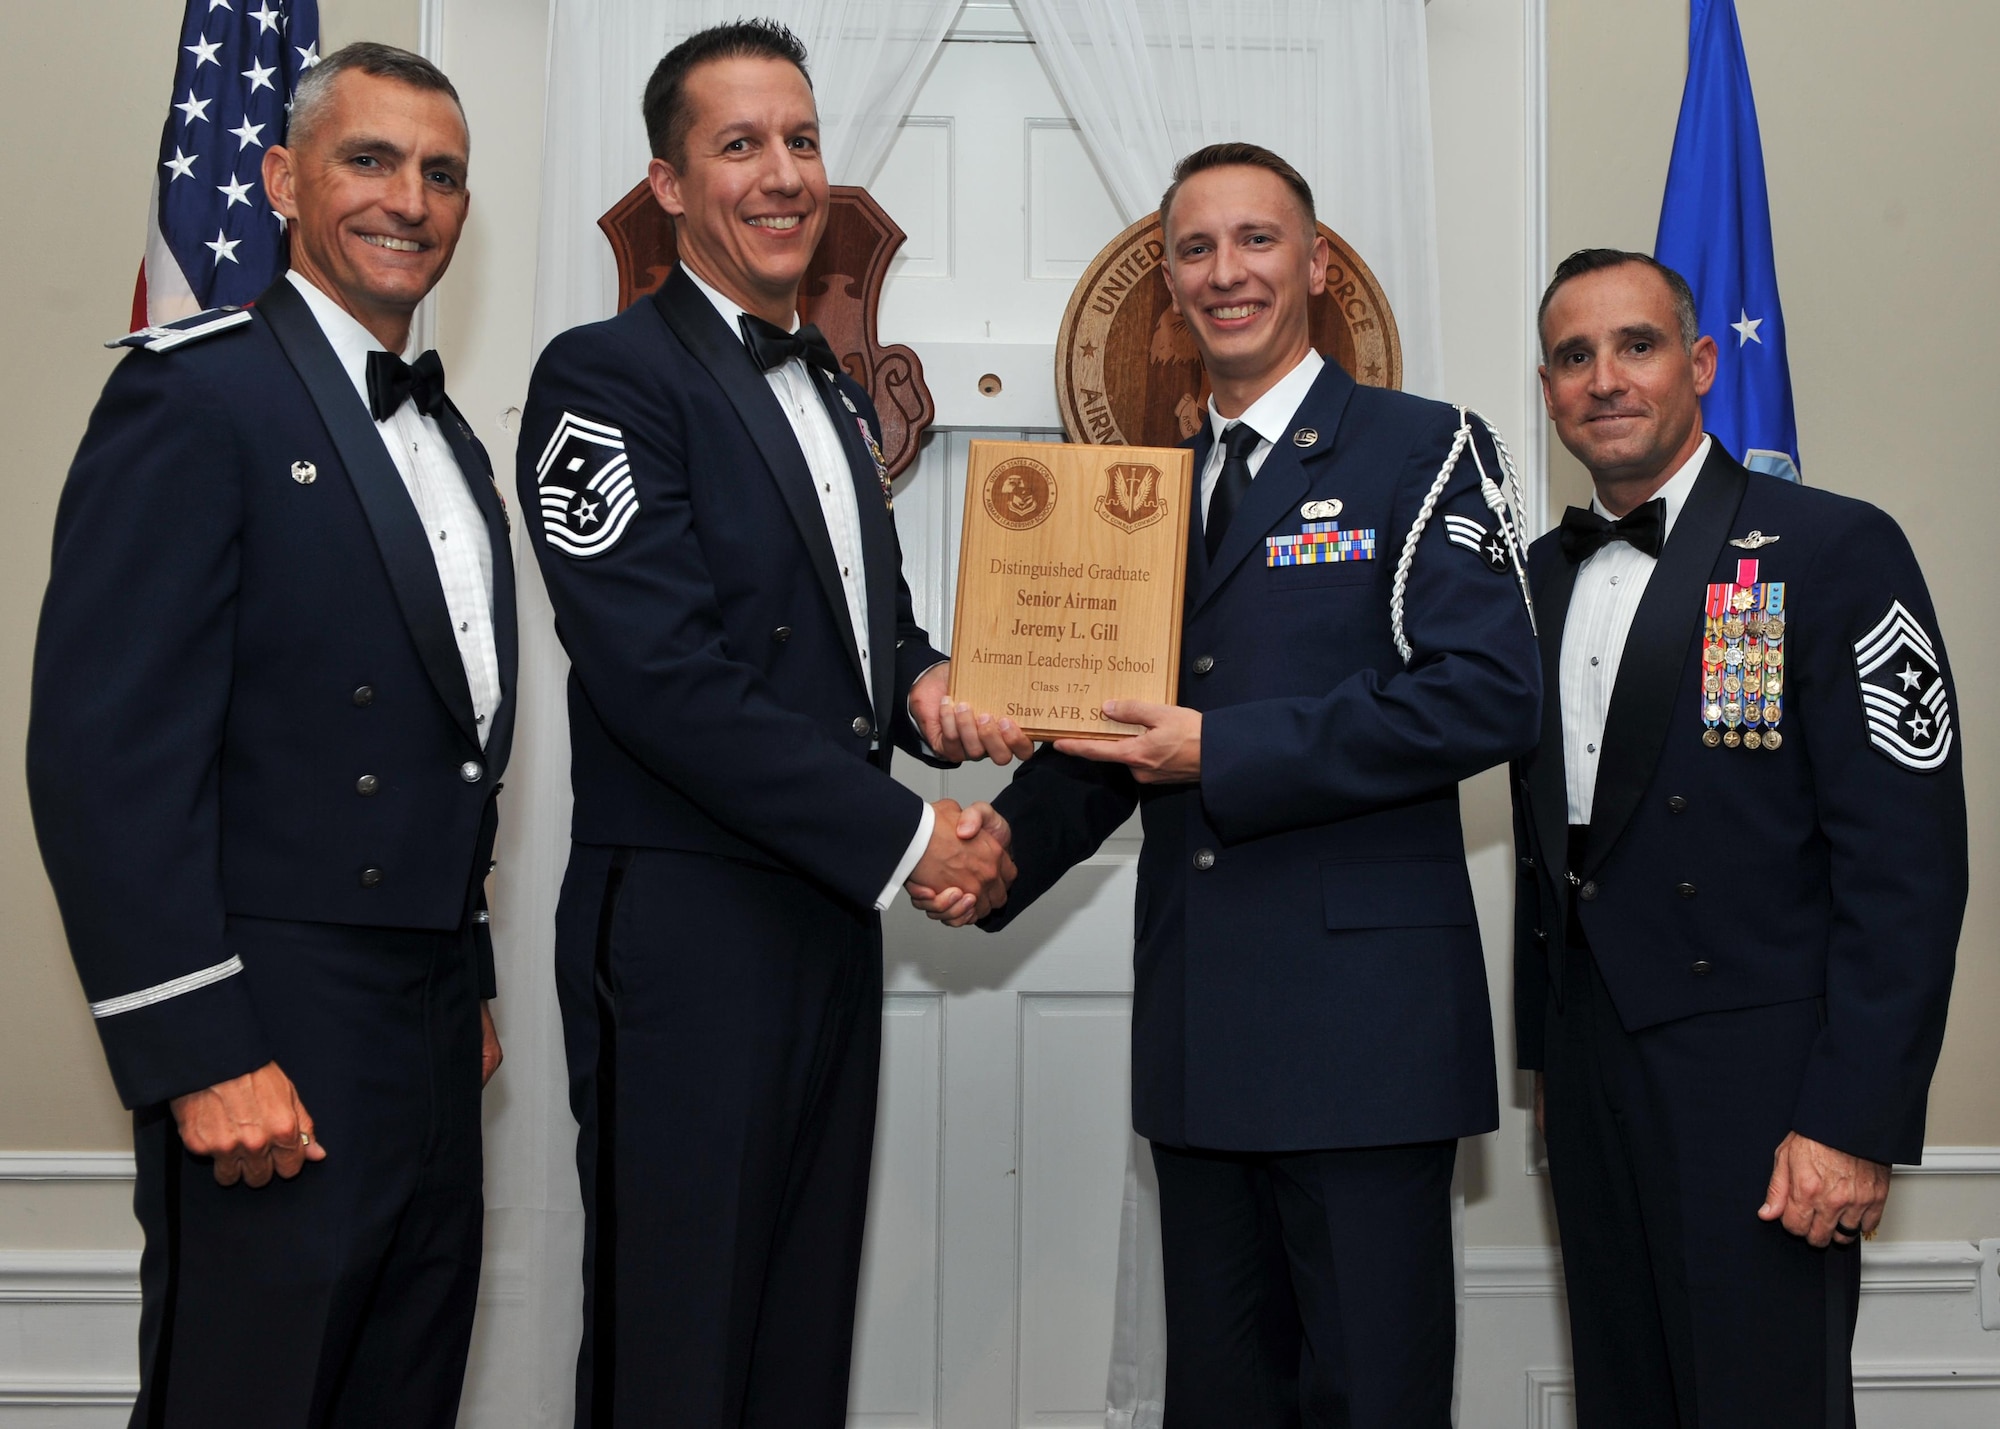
305,1138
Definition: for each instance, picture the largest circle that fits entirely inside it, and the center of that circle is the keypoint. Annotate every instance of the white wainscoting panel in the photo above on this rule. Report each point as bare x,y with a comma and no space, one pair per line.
1075,1119
896,1348
914,188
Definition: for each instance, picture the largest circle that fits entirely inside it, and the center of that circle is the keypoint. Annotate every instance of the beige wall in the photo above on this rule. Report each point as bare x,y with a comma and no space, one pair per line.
1879,126
78,176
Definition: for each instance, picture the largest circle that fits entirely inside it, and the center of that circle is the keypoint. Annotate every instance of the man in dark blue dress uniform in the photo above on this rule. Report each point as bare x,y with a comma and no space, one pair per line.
704,493
274,692
1311,1032
1742,870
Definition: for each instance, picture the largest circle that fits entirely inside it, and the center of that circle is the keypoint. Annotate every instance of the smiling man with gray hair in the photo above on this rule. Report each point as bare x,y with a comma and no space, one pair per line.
273,695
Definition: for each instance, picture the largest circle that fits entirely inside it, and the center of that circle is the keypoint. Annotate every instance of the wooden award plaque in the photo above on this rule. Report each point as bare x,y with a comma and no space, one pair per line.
1070,574
1127,371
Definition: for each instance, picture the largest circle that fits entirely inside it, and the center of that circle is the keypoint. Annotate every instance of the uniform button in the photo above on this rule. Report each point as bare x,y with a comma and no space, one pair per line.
370,877
782,634
1204,859
366,785
364,695
1541,938
1700,967
1677,805
1686,890
491,864
482,916
471,771
861,726
1588,893
1527,865
1204,664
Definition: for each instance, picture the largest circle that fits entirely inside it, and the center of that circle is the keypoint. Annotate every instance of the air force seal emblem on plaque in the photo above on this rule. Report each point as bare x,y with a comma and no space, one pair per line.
1020,494
1131,500
586,487
1903,693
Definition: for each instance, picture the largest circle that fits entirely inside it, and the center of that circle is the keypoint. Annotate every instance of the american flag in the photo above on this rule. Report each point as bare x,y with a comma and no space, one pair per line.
211,237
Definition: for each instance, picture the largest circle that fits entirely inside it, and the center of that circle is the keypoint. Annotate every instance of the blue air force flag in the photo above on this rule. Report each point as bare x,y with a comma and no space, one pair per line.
1715,231
211,236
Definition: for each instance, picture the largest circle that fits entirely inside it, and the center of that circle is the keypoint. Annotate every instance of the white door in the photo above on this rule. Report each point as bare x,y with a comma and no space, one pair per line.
987,1294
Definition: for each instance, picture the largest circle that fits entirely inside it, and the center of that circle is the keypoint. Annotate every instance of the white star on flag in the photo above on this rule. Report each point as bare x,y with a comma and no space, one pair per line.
260,77
224,247
192,109
237,192
203,51
309,55
1746,330
214,5
246,134
181,164
266,18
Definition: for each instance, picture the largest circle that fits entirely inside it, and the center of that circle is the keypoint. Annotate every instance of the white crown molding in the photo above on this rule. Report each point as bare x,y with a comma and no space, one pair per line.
1497,1272
1956,1161
93,1392
69,1277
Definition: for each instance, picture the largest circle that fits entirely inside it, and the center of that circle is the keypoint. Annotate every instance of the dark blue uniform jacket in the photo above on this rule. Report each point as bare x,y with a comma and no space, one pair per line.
1832,867
1308,968
225,651
717,701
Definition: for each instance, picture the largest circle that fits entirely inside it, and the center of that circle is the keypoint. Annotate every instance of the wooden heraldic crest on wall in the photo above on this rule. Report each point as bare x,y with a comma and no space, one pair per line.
840,295
1127,371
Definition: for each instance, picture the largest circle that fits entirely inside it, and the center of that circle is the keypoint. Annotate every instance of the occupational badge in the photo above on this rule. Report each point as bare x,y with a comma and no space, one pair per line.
585,484
1903,694
1321,510
304,473
1756,540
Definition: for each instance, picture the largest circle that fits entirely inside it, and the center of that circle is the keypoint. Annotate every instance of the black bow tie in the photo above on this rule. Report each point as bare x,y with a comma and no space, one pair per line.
390,380
1584,533
771,346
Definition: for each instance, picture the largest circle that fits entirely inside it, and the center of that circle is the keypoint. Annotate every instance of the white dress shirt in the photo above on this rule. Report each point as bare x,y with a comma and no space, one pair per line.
1608,588
833,483
1268,417
458,537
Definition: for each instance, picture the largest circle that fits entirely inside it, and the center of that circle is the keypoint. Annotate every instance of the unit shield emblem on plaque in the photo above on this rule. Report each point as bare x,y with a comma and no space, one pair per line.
1131,500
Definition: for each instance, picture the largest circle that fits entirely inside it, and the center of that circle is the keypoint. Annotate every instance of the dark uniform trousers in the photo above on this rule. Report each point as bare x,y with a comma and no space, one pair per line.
1309,1290
723,1029
1686,1310
343,1297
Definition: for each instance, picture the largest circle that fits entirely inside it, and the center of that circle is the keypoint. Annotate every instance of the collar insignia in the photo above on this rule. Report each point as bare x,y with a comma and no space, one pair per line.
1305,436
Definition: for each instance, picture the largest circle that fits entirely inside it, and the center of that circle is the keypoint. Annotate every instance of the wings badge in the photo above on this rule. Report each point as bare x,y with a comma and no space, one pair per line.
1903,693
586,488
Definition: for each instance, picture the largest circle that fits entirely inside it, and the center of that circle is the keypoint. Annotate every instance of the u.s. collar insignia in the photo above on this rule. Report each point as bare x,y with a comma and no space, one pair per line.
304,473
1753,541
1321,510
1305,436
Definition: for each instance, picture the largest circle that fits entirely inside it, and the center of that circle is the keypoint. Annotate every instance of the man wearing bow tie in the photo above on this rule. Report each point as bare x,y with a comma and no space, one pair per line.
714,529
1742,869
274,692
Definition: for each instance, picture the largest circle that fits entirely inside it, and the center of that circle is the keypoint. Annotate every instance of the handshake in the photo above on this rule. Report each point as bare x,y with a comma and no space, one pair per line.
966,871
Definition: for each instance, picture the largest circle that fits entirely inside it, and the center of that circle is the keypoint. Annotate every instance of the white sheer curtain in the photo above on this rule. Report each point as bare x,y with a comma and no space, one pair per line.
867,59
1341,88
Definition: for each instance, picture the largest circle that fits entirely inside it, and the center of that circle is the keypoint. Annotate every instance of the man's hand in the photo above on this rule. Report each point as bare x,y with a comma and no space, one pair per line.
958,732
490,1054
1824,1195
1167,752
252,1126
951,901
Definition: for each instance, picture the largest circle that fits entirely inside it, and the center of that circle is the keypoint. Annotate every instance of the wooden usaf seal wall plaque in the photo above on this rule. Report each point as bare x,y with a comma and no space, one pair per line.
1127,371
1069,582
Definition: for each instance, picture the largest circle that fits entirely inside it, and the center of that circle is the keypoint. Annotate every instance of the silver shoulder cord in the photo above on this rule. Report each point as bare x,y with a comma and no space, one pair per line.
1505,502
